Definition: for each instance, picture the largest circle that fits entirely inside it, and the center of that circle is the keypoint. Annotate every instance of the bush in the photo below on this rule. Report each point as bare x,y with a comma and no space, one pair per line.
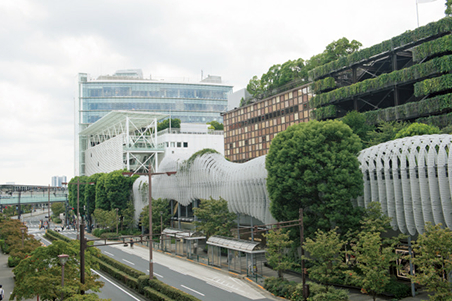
56,220
280,287
398,289
13,261
319,292
98,232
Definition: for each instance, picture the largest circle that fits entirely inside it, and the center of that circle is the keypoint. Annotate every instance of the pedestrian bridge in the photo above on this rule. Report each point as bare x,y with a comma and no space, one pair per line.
11,194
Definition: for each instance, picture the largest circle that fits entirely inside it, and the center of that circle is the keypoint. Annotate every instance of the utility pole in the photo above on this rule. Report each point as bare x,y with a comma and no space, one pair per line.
303,269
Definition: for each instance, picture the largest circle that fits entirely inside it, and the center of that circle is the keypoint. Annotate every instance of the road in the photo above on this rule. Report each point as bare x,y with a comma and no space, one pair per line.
205,283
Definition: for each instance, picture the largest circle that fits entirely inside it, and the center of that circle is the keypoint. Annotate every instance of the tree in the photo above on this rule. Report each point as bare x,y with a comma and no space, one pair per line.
175,123
72,188
216,125
159,205
385,131
448,11
357,122
57,208
374,254
105,219
40,273
326,256
214,217
433,251
277,243
314,166
118,189
415,129
128,215
373,260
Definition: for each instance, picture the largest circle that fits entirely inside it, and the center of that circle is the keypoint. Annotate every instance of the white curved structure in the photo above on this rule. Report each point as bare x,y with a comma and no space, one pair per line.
410,178
242,185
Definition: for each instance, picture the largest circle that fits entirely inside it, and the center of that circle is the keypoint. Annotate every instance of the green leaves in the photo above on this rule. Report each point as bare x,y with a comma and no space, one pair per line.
314,166
214,218
277,243
433,251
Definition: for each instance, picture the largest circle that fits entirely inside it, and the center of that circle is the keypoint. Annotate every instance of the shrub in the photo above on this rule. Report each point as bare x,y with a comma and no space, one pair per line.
319,292
13,261
398,289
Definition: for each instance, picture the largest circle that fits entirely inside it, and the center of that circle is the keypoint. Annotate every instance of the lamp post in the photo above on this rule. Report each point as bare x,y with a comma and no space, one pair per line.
63,259
150,174
161,222
117,221
23,232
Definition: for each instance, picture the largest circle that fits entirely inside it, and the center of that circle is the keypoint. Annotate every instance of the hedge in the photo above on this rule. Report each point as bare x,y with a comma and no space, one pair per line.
53,235
409,110
435,66
439,121
433,85
436,47
170,291
432,29
137,280
324,112
323,85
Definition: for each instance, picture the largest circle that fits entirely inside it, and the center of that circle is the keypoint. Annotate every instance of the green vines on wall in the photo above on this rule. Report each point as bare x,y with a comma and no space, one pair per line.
323,84
439,121
436,47
434,66
442,26
433,85
324,112
409,110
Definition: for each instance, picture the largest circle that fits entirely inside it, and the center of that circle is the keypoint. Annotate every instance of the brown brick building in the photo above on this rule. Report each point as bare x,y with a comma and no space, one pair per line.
249,130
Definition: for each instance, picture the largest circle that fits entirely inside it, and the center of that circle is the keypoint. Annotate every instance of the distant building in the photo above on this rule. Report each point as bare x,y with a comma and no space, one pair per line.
58,180
191,102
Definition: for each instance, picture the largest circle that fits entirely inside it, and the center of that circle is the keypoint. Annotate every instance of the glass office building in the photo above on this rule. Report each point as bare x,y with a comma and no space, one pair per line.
190,102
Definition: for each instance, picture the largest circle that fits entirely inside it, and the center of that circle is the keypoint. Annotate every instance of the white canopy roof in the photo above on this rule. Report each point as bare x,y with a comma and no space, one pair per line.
118,119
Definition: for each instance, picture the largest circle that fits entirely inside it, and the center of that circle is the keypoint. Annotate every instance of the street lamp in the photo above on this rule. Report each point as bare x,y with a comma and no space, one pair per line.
150,174
63,259
117,221
23,232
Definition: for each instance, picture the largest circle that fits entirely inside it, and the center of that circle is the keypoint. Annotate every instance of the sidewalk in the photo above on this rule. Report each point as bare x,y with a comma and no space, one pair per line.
6,276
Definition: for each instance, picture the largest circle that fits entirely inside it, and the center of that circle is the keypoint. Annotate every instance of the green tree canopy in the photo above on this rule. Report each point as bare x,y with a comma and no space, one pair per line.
357,122
277,243
57,208
433,251
216,125
415,129
448,10
314,166
214,218
158,205
385,131
175,123
40,273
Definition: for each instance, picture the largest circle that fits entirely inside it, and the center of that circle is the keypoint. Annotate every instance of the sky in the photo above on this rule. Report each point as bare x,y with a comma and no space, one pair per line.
44,45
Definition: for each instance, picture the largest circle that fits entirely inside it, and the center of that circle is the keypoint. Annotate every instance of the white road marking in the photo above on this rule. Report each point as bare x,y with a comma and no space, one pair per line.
109,254
192,290
128,262
115,285
157,275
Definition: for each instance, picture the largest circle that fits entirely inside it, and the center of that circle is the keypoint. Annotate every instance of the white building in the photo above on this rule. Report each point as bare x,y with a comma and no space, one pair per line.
128,140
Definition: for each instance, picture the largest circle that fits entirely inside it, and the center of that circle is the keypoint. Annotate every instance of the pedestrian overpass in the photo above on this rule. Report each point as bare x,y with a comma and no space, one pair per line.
15,194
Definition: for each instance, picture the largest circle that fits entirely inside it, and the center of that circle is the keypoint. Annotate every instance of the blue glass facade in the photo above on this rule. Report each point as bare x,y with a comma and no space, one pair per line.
196,103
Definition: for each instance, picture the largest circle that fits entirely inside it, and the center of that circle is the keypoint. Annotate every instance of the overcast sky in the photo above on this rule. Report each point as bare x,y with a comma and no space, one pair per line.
45,44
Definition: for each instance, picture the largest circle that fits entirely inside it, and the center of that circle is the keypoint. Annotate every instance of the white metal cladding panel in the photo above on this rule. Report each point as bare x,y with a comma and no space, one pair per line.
416,187
105,157
242,185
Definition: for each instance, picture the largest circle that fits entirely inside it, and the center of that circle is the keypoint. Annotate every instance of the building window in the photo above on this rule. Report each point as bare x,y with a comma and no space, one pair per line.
173,144
185,144
179,144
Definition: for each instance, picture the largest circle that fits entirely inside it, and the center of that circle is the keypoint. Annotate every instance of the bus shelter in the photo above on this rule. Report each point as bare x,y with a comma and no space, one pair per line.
240,256
186,243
